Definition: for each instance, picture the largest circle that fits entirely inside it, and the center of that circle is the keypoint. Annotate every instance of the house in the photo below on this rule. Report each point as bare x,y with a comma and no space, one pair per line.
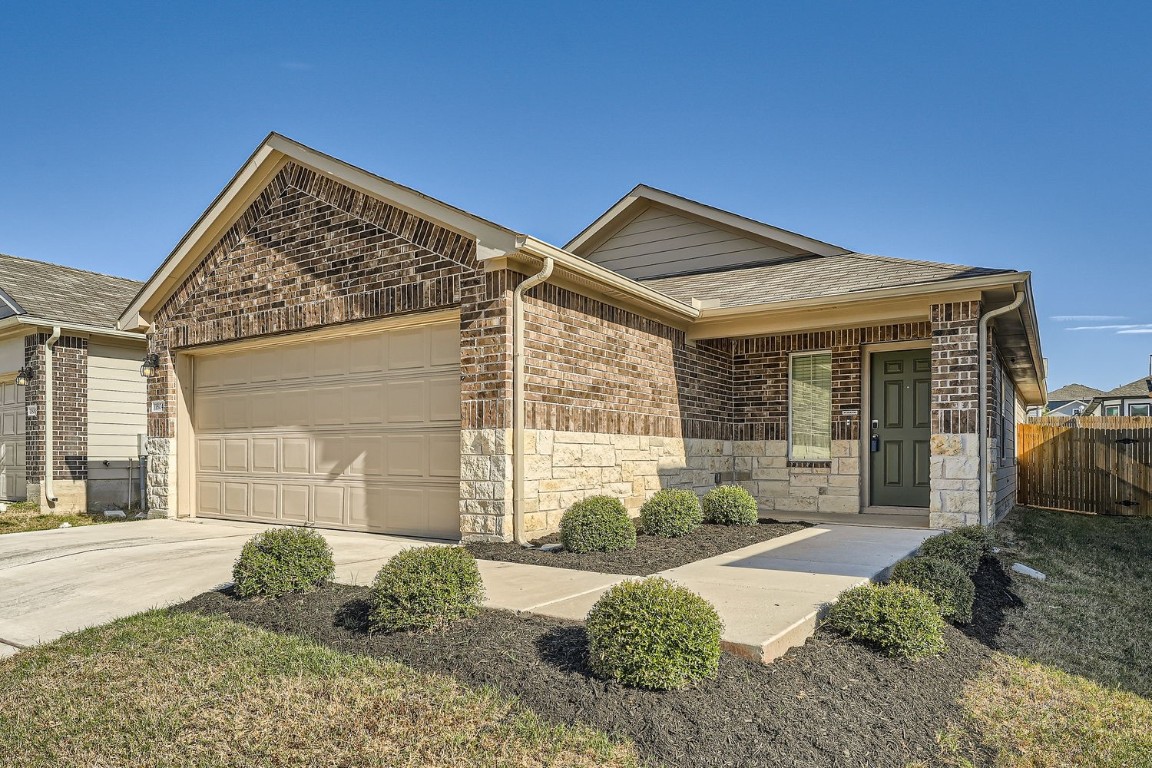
334,348
1131,399
71,395
1069,400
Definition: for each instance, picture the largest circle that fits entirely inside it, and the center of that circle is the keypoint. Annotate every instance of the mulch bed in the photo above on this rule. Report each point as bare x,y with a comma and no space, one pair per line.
652,553
828,703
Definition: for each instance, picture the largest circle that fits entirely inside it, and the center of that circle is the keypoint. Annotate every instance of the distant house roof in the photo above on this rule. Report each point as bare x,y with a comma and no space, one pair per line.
808,277
64,294
1074,392
1142,387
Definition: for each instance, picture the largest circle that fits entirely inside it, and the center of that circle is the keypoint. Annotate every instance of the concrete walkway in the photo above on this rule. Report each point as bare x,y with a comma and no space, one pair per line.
769,595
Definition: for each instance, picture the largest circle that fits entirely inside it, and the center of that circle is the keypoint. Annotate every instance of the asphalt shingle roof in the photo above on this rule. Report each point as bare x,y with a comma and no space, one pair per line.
55,292
1074,392
809,277
1142,387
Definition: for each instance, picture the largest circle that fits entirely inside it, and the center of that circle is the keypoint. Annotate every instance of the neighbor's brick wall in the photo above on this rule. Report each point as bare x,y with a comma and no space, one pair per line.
69,409
592,367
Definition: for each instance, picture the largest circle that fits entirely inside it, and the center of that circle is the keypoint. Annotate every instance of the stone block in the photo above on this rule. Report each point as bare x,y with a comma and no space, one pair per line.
748,448
962,468
796,503
776,448
545,439
846,466
537,467
597,456
838,504
567,455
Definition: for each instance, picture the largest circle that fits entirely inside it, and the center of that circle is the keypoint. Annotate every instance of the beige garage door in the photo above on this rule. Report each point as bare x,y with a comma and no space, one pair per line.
361,432
12,468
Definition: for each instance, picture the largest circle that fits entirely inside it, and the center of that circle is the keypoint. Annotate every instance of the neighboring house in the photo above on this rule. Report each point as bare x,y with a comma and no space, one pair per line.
86,421
337,349
1069,400
1132,399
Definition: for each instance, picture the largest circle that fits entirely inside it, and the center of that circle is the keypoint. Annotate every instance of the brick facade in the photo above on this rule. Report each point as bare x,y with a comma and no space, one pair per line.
69,419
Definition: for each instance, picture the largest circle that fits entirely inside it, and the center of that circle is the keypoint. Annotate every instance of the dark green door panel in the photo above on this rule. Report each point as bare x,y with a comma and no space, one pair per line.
900,417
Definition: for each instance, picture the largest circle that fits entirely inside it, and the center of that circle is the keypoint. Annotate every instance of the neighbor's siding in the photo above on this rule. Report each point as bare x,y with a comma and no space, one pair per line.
116,406
11,354
660,242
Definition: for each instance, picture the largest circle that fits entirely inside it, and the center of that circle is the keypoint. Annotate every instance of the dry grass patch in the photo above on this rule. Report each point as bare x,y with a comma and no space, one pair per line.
23,516
1092,617
178,689
1032,715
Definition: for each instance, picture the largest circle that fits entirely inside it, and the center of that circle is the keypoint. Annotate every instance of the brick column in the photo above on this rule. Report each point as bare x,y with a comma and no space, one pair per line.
955,470
69,419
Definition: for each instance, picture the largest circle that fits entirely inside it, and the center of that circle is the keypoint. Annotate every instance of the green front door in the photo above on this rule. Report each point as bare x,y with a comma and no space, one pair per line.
900,422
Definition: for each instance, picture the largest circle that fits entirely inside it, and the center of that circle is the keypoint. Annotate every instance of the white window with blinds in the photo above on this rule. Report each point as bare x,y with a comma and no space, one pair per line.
810,407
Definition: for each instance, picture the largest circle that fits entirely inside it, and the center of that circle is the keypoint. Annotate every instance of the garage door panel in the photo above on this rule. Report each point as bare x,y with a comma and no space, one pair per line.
359,432
329,504
294,502
294,455
264,453
408,455
209,454
444,455
295,408
264,500
9,394
209,494
444,399
366,354
236,499
367,456
405,402
366,403
236,455
330,358
329,406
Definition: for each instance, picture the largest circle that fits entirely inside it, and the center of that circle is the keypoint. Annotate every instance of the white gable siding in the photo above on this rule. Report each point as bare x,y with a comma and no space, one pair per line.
660,242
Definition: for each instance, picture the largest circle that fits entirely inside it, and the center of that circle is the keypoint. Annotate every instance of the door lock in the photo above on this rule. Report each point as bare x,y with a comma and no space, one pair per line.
875,443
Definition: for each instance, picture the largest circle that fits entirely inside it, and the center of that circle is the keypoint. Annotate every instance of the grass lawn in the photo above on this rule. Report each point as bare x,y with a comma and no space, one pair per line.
178,689
1069,684
21,516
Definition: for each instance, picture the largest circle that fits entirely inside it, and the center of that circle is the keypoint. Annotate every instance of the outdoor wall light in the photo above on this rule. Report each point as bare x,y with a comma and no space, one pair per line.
151,366
22,377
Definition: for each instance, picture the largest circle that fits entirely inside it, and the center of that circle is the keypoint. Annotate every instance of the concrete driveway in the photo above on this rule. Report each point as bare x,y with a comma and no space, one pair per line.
62,580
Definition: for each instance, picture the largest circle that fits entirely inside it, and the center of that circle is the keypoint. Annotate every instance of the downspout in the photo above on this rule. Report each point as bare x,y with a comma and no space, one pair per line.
49,343
982,427
518,398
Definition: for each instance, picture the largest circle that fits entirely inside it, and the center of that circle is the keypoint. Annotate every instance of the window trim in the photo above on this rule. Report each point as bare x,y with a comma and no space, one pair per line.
1146,406
1111,407
810,353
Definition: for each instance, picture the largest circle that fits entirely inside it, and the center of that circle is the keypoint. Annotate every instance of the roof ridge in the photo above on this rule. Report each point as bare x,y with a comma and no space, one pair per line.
65,266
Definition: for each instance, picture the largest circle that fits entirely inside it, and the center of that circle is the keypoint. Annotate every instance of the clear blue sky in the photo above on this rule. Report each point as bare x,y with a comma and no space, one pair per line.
995,134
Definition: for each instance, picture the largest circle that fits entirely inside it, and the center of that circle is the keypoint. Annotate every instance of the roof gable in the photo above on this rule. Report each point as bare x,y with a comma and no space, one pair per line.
63,294
1142,387
1074,392
651,233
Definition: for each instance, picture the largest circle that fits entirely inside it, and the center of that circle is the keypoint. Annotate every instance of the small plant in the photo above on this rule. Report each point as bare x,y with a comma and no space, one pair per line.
426,588
946,583
653,634
898,619
730,505
982,537
671,512
954,548
281,561
597,524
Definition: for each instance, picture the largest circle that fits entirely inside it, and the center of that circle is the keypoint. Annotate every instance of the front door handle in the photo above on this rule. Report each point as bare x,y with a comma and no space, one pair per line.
875,443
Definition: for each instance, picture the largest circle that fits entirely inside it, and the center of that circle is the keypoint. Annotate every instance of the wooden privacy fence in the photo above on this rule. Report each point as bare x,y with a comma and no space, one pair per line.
1100,464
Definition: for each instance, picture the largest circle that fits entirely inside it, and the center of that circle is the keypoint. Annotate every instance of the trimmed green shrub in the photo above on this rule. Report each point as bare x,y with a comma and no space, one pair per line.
282,560
653,634
946,583
982,537
597,524
730,505
426,588
671,512
955,549
898,619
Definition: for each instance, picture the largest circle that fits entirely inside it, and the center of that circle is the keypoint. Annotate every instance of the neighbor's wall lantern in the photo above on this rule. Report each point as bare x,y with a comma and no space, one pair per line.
22,377
151,366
